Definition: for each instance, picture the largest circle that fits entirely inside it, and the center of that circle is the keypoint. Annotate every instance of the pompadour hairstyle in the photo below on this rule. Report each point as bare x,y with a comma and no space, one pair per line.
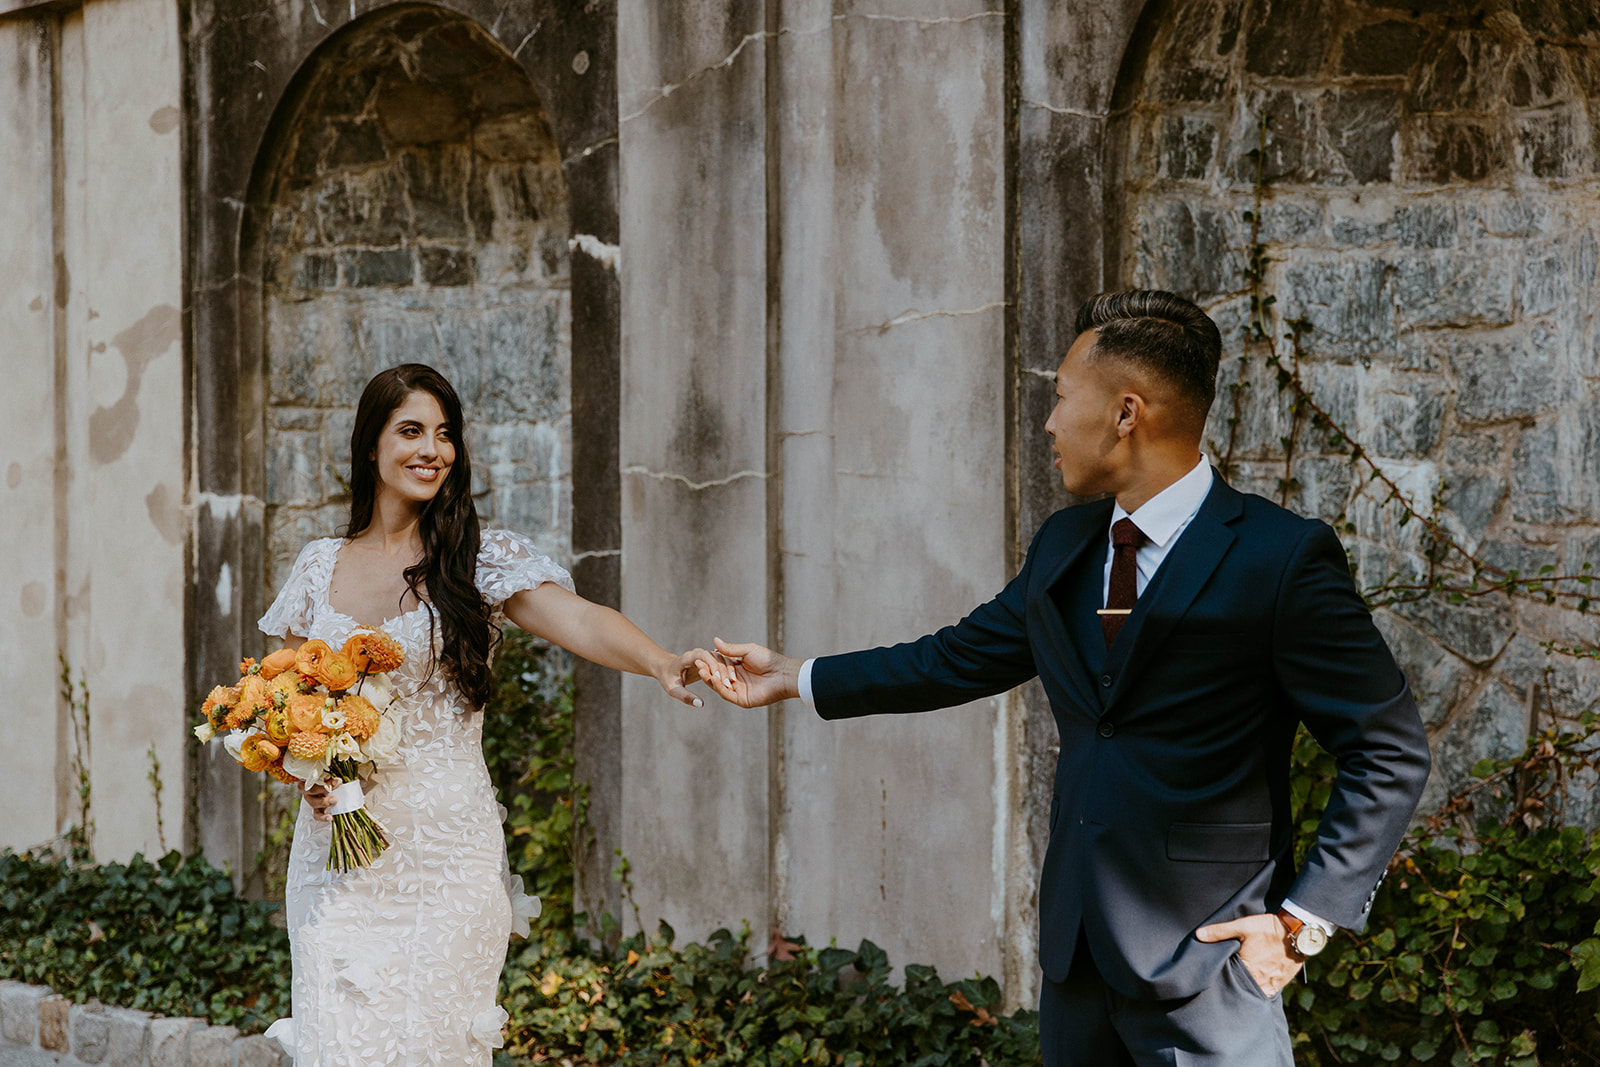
1160,332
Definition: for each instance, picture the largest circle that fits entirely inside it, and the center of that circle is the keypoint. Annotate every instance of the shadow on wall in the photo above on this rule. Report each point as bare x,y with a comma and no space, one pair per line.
417,213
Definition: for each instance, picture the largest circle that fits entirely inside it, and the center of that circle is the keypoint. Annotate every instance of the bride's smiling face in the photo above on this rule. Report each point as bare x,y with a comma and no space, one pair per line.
415,450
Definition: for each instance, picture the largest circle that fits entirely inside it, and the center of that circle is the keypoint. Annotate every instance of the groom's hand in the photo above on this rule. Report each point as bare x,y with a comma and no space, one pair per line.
751,676
1263,949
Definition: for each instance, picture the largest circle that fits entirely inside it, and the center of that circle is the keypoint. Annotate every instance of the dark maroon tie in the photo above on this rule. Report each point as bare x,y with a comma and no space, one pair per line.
1126,539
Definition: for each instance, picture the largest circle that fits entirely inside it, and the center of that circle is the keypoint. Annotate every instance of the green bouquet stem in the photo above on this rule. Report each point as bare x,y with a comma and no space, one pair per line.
357,839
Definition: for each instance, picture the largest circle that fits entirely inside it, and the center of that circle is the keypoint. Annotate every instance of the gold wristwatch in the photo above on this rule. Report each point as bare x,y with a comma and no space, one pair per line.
1304,939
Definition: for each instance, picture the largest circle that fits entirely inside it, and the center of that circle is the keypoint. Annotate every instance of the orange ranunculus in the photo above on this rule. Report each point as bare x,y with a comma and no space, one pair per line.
374,650
360,717
277,723
308,744
217,704
276,770
309,656
246,663
337,672
275,664
257,751
286,684
305,711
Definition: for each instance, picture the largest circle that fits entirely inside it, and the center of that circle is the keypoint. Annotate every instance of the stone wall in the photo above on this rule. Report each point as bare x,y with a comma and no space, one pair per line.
39,1028
418,215
1431,212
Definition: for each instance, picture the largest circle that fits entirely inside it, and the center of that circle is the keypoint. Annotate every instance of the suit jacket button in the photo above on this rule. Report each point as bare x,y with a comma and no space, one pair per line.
1105,680
1107,729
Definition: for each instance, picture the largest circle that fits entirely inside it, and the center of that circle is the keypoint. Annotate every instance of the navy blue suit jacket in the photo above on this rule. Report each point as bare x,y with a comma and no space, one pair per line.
1170,807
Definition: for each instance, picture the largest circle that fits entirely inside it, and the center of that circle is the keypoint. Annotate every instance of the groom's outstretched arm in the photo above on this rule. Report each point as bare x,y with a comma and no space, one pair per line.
985,653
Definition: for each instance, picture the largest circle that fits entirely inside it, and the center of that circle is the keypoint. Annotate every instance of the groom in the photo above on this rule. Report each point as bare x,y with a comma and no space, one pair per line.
1182,631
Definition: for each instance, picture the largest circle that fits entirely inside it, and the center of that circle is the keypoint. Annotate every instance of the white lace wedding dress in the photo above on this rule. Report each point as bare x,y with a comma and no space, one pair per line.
399,963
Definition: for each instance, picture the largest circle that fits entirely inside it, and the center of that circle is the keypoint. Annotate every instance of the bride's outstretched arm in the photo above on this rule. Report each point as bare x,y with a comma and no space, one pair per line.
604,636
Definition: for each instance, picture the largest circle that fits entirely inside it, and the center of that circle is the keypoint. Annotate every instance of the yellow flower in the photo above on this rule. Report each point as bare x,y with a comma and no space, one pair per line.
257,751
277,723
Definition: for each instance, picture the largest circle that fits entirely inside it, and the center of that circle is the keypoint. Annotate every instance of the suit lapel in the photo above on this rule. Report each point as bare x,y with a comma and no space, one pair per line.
1087,527
1179,580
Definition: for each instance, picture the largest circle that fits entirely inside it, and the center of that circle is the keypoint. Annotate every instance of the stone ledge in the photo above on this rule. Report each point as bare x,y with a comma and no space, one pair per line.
38,1028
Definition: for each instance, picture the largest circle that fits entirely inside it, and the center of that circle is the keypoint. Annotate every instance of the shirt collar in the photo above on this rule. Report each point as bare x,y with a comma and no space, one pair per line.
1170,510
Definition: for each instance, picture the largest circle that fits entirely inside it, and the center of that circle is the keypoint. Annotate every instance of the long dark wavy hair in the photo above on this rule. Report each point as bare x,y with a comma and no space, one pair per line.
449,526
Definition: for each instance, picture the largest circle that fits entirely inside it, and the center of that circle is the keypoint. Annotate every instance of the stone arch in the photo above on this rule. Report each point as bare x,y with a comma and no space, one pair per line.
1430,211
413,209
249,71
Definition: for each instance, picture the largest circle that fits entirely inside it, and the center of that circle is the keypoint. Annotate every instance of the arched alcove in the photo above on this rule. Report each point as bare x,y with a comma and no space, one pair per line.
1427,207
414,209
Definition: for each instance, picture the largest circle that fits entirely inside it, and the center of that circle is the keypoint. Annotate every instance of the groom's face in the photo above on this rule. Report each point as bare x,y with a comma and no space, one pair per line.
1083,424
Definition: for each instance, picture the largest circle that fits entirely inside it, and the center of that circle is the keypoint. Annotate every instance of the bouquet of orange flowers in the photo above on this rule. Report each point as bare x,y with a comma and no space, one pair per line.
312,714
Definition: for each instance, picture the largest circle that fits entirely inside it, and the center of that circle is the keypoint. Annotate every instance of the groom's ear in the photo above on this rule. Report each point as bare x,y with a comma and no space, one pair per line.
1131,412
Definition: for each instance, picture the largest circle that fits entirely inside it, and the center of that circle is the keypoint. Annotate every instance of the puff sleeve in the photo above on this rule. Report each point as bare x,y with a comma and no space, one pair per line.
508,563
293,611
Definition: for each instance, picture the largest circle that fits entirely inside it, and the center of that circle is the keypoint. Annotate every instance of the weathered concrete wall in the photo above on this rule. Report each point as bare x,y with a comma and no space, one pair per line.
1432,213
418,215
813,436
99,558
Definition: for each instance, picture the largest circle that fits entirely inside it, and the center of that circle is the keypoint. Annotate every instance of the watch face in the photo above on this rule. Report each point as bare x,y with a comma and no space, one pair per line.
1310,940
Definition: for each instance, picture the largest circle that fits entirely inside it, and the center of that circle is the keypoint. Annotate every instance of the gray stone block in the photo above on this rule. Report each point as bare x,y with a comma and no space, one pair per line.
212,1046
1507,376
16,1056
1361,128
19,1011
261,1051
91,1032
1382,49
169,1041
1444,289
1476,630
1186,146
366,268
54,1013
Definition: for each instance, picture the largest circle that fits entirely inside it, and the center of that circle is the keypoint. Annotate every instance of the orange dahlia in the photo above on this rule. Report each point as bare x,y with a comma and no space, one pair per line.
257,751
275,664
277,771
360,717
305,711
374,650
309,656
217,705
308,744
337,671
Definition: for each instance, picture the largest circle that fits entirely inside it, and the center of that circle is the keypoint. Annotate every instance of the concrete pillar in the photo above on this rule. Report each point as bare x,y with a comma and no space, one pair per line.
30,301
693,447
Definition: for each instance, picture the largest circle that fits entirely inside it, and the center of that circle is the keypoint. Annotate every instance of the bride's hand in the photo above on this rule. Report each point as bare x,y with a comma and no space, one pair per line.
320,800
677,673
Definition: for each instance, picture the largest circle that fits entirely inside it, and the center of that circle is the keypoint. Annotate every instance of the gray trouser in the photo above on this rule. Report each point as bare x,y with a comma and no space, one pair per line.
1085,1023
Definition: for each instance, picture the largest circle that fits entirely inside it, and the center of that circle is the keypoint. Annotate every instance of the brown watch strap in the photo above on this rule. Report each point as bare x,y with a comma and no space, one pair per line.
1290,921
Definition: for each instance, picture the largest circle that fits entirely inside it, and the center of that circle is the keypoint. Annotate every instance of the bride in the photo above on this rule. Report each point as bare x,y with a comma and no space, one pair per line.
399,962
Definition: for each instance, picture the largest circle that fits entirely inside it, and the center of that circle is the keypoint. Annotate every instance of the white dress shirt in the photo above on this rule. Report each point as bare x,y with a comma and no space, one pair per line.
1162,519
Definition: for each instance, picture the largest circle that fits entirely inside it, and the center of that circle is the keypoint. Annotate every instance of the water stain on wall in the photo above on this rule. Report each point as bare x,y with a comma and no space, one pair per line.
111,428
164,120
33,599
166,513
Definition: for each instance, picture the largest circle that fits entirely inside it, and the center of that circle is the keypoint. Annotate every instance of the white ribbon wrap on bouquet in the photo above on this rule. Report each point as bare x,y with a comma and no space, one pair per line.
347,798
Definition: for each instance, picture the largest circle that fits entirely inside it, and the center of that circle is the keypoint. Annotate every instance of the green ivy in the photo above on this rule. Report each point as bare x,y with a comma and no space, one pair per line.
169,937
653,1003
1480,948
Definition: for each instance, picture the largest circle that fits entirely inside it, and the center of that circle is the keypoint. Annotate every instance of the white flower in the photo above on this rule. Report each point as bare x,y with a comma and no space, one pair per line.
345,747
205,732
379,691
486,1026
523,907
233,741
384,744
309,771
332,717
